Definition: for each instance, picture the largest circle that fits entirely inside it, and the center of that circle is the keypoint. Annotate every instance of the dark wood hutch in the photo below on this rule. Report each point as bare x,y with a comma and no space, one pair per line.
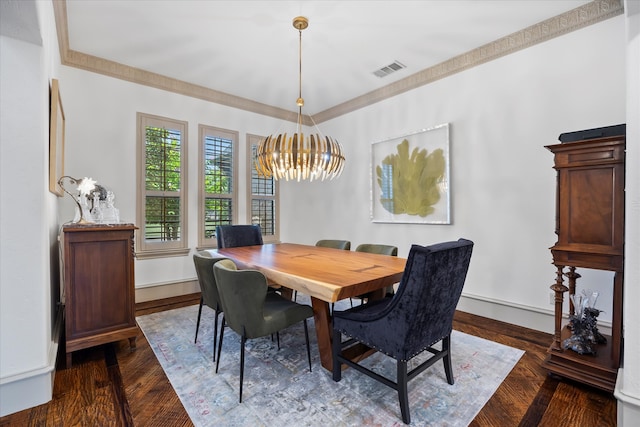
590,169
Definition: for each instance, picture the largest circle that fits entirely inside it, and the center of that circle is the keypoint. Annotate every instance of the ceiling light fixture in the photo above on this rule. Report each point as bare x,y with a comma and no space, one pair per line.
296,156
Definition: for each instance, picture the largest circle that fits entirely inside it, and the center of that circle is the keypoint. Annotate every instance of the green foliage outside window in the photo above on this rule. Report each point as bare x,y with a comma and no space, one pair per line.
163,184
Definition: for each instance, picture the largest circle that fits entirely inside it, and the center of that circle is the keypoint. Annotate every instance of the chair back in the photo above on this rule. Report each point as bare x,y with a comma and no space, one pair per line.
242,293
421,312
335,244
204,262
231,236
378,249
428,294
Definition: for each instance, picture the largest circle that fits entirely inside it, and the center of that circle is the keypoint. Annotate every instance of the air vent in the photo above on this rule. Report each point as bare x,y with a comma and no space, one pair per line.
391,68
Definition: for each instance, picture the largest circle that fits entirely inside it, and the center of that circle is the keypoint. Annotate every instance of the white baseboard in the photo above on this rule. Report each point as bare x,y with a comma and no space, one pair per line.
156,291
516,314
505,311
34,387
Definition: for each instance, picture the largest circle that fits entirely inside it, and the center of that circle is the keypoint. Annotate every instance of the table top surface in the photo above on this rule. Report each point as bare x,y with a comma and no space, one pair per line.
324,273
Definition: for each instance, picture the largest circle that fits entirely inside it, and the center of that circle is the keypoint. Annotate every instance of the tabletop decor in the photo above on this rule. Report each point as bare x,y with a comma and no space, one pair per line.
95,203
84,186
583,324
410,178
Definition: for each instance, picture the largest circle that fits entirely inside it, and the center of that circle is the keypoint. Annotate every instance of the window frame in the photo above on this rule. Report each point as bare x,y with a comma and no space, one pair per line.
254,140
203,132
180,247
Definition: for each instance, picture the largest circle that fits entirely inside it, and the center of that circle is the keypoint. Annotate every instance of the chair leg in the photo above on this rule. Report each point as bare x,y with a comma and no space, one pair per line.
306,336
242,342
278,339
335,349
403,395
215,335
446,346
220,346
198,322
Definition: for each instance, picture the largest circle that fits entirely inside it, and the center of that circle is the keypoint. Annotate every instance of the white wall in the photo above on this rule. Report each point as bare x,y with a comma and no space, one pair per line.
101,143
503,186
28,221
502,114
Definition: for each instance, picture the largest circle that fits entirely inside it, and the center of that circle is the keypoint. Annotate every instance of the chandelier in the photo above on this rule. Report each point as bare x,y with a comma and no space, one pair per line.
298,156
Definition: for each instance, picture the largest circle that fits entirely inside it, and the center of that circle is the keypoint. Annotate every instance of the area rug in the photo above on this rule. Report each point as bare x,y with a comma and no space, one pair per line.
279,390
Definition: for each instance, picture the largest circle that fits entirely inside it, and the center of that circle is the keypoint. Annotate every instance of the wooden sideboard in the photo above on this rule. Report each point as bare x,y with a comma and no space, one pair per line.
98,293
590,231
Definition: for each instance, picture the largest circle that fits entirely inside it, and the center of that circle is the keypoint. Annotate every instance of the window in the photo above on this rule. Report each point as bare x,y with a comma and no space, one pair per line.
217,182
262,201
162,181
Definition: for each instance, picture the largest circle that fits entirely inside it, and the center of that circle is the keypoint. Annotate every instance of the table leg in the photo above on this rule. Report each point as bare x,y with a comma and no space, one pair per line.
322,320
324,332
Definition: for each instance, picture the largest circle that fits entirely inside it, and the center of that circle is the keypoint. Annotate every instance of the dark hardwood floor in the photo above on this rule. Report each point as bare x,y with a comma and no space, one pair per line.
111,385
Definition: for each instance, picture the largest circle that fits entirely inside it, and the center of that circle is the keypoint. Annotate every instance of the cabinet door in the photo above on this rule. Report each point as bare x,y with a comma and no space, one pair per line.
99,292
590,217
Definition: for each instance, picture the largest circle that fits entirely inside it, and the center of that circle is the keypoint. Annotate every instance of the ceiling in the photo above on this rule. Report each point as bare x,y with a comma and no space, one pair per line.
249,49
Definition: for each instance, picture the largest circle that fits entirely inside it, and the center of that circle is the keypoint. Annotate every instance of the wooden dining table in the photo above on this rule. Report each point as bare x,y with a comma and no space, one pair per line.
327,275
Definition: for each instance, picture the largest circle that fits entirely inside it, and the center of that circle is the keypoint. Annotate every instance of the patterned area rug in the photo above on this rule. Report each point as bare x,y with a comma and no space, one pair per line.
279,390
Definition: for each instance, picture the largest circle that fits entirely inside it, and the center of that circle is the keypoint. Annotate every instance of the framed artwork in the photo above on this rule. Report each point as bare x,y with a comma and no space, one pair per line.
410,180
56,139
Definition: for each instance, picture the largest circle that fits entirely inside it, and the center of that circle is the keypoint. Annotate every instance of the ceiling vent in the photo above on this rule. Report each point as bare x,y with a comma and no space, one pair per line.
391,68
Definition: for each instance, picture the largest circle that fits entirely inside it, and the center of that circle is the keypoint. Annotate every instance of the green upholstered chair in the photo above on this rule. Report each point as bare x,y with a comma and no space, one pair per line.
378,249
329,243
233,236
335,244
251,311
373,248
204,261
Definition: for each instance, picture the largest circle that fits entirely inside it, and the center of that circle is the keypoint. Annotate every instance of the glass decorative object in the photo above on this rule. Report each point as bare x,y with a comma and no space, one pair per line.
85,186
583,324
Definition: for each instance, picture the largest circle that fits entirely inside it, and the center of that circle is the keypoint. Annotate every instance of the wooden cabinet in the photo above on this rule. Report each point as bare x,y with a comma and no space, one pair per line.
98,290
590,230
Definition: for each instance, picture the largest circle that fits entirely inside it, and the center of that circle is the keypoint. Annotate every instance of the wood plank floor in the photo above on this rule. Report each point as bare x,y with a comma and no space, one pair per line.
111,385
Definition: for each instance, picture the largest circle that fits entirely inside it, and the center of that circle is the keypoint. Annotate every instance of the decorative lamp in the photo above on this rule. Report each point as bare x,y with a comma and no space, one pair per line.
298,156
85,187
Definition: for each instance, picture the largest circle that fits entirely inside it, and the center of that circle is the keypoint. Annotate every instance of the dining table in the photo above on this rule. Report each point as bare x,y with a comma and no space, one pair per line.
326,275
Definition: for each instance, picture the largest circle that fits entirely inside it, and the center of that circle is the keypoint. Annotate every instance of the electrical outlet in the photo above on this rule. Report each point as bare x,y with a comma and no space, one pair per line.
552,298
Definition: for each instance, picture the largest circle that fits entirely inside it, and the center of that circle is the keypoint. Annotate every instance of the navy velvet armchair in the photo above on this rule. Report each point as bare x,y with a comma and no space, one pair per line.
418,316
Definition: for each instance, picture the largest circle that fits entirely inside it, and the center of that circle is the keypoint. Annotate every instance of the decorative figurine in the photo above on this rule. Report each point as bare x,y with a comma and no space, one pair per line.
583,325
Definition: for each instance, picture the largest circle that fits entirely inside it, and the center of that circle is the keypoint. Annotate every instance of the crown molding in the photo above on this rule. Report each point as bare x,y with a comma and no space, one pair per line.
572,20
575,19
